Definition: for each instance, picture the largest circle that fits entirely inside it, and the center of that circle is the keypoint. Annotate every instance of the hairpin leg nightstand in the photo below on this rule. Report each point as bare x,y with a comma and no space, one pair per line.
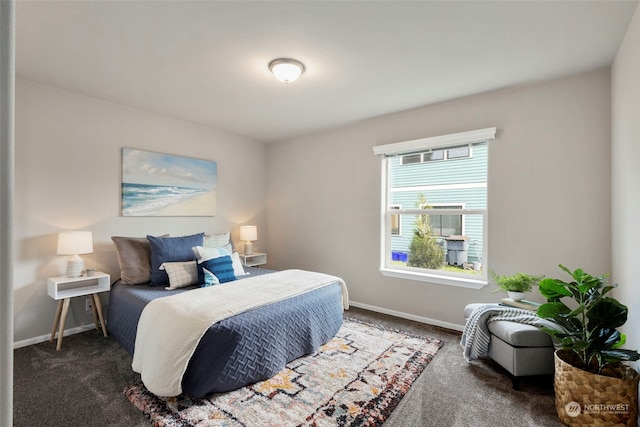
63,288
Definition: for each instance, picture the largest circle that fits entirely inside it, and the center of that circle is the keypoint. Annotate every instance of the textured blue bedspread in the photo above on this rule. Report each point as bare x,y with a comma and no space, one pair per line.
249,347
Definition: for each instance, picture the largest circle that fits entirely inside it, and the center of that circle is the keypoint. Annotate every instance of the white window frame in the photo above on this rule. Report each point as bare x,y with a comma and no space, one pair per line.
413,146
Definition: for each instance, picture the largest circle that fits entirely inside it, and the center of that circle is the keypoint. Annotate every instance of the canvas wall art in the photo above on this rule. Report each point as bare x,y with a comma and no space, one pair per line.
155,184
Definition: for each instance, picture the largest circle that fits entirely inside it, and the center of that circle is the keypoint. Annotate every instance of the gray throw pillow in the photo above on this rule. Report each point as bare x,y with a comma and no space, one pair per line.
134,256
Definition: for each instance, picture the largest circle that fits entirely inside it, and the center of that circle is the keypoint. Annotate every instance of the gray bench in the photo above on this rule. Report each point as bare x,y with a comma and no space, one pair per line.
521,349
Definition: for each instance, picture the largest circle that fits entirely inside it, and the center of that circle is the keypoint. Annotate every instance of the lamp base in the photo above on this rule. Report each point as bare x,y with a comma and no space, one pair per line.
75,267
248,248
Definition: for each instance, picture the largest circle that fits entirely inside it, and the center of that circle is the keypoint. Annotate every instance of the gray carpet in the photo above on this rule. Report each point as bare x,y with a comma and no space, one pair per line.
82,384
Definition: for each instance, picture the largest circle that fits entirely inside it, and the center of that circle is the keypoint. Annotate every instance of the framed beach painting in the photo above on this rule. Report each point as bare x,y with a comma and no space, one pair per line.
155,184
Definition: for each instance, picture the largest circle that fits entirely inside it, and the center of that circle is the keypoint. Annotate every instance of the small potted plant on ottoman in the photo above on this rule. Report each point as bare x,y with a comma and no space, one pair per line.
515,285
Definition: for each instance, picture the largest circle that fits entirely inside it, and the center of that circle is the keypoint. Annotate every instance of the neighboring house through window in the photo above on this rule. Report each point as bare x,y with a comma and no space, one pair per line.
434,212
447,225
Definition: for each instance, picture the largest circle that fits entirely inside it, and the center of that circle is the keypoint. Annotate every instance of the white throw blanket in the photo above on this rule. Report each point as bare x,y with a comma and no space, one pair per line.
171,327
476,336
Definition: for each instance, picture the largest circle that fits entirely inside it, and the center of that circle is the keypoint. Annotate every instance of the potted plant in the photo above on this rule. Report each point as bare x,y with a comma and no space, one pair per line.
515,285
591,380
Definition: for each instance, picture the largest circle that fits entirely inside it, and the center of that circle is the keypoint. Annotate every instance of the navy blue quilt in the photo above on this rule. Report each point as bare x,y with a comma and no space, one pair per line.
243,349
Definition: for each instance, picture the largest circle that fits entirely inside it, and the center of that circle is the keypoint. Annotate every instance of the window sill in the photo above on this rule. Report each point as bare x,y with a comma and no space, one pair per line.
434,278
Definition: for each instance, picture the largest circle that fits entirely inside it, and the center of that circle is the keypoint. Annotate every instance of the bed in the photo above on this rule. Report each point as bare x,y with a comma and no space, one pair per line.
242,349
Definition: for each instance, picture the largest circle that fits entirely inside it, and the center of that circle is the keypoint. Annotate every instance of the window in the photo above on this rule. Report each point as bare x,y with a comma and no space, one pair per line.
411,159
459,152
432,156
440,205
395,221
437,154
447,225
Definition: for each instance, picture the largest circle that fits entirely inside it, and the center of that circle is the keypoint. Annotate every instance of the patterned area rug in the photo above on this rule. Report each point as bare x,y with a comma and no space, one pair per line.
356,379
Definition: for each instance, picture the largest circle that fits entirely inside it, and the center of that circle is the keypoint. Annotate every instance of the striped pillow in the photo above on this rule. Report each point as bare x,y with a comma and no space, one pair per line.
221,267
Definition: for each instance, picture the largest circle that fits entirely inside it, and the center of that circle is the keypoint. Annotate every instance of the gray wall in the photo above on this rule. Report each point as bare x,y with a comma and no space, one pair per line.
67,175
548,189
625,194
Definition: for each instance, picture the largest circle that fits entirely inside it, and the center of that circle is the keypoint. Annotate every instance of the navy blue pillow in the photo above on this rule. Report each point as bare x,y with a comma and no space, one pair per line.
170,249
222,267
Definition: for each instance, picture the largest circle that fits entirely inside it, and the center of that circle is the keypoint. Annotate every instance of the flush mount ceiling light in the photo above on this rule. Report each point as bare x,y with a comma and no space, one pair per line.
286,70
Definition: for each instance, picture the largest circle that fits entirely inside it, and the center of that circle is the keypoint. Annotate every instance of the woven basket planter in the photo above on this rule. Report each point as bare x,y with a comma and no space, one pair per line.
587,399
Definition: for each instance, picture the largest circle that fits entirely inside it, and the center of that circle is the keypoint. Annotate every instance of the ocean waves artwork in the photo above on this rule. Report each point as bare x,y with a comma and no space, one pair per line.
155,184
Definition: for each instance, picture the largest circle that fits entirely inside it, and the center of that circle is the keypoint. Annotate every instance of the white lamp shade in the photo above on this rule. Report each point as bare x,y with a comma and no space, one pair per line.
248,233
75,243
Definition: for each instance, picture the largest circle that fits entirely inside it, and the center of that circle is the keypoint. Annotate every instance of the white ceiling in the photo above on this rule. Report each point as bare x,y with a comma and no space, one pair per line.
206,61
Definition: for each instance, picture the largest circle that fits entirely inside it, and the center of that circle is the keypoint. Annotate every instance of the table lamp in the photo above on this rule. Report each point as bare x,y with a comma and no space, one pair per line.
75,243
247,234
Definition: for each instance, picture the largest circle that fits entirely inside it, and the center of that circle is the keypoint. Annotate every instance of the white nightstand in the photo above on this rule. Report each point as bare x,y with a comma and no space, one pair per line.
254,260
64,288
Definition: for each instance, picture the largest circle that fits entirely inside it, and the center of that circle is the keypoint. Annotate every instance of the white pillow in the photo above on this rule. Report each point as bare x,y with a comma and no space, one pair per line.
180,274
238,269
204,254
217,240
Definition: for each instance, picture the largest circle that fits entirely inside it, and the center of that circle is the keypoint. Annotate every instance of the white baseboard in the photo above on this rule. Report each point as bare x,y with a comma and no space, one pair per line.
44,338
408,316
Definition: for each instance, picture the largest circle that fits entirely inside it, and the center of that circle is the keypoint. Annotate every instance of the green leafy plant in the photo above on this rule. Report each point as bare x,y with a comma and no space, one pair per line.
590,326
424,250
519,282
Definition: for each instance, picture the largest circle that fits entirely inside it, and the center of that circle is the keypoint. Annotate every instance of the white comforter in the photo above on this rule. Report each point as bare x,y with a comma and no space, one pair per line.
170,328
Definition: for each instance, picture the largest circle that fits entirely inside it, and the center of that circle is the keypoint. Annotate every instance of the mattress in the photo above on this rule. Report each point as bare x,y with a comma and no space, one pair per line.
248,347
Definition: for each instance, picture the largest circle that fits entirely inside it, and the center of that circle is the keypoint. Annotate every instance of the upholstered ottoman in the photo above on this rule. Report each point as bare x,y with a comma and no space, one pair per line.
521,349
